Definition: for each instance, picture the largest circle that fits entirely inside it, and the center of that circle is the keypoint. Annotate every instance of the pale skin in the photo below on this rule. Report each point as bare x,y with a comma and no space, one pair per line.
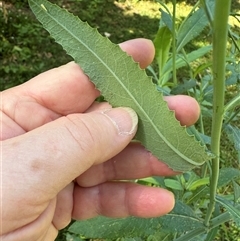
61,152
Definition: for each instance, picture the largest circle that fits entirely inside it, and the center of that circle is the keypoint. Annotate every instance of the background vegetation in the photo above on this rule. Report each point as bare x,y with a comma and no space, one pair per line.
27,50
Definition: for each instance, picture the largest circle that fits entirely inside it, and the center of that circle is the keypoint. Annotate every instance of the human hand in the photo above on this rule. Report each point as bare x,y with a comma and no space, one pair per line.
61,150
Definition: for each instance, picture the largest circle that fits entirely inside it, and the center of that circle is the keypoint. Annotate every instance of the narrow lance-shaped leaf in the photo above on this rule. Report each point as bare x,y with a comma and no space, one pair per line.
182,61
162,43
236,190
123,83
234,212
192,26
234,136
226,175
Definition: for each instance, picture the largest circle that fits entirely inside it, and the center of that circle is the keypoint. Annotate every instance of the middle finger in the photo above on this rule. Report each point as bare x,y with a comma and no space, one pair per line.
132,163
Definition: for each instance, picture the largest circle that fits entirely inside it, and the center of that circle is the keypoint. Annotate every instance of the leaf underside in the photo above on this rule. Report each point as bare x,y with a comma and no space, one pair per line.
123,83
181,218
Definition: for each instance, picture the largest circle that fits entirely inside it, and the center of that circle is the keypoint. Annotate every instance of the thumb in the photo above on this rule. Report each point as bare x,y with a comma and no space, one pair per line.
51,156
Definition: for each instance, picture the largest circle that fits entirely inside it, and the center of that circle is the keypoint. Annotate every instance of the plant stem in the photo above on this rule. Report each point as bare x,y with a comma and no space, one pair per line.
174,52
220,32
204,167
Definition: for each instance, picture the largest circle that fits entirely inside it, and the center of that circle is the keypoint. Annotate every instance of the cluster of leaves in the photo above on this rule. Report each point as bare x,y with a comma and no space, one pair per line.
198,78
198,82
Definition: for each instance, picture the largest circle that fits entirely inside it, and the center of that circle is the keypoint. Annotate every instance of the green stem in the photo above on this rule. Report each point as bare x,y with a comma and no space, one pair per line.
174,52
204,167
220,32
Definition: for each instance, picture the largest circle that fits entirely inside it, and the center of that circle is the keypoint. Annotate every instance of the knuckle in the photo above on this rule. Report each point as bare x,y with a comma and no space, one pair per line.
81,131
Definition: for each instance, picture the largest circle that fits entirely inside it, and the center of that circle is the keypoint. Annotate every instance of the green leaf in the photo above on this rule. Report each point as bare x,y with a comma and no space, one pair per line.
182,61
111,228
162,43
123,83
166,19
181,219
157,181
234,136
198,194
234,212
226,175
236,189
212,234
233,103
191,27
192,235
184,87
222,218
199,183
173,184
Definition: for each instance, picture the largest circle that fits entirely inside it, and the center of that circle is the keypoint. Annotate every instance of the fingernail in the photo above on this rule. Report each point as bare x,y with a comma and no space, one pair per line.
125,119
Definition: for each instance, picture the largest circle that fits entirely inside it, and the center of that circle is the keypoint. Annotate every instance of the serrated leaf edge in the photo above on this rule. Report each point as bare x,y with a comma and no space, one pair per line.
144,72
